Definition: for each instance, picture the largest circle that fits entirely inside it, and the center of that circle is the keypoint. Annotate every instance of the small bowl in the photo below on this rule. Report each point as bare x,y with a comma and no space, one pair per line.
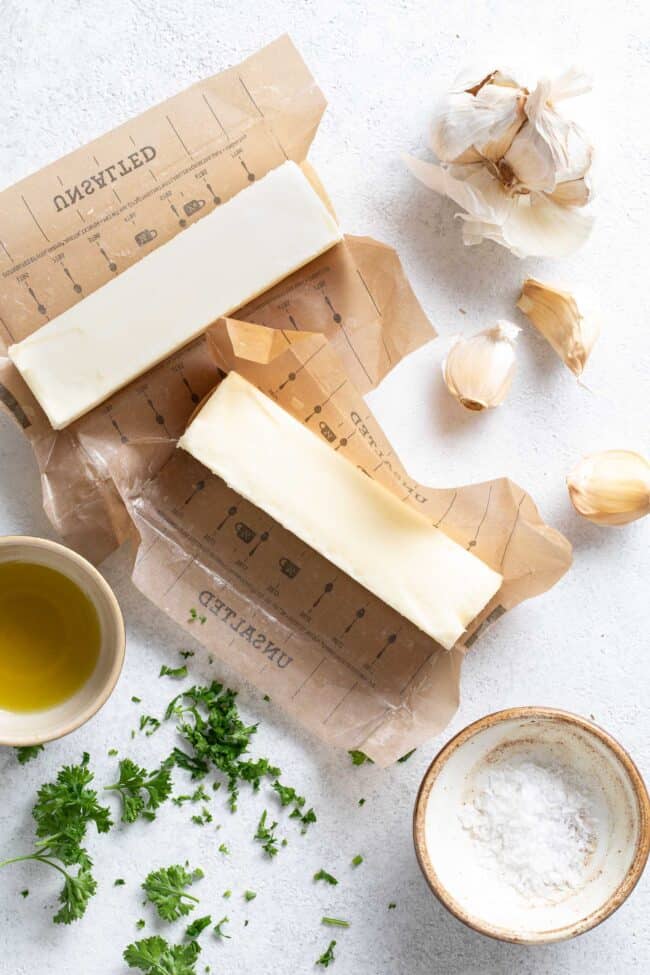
448,855
35,727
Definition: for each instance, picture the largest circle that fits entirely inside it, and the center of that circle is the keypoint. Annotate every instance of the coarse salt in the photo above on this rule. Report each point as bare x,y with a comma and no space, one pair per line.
534,825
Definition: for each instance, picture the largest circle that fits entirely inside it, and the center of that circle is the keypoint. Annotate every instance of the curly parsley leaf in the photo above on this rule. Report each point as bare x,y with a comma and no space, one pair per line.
359,758
266,836
25,753
327,877
165,888
75,895
177,672
194,929
142,792
155,956
327,958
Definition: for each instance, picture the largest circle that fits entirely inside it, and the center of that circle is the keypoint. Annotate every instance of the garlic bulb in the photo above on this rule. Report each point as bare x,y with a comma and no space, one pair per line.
478,371
515,164
611,488
569,321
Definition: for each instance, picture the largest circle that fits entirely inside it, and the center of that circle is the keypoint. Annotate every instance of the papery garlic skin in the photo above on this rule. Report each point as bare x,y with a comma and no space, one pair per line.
611,487
519,168
569,320
478,371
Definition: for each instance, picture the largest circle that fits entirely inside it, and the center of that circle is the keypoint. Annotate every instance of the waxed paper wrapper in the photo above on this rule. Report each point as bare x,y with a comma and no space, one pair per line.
346,665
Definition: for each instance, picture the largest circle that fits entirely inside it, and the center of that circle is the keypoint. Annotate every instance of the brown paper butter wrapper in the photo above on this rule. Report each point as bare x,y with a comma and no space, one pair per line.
346,665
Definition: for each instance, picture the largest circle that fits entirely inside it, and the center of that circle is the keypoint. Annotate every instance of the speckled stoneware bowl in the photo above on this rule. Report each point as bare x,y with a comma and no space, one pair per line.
36,727
448,855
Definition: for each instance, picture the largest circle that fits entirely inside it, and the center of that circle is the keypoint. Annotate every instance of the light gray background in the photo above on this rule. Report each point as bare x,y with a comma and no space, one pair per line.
71,70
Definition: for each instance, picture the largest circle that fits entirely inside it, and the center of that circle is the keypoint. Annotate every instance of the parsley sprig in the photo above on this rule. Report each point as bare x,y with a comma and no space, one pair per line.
165,888
142,792
25,753
155,956
327,958
63,811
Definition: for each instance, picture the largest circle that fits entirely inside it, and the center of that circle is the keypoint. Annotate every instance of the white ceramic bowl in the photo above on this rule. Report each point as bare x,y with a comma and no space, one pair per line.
35,727
448,854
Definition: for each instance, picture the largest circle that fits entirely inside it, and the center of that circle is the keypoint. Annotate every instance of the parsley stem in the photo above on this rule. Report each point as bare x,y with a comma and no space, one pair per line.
33,856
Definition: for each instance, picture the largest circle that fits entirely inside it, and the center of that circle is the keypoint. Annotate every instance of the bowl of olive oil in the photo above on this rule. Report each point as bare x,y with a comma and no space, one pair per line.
61,640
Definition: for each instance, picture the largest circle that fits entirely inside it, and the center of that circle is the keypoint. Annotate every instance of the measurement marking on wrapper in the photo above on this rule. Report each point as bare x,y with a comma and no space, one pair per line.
249,175
264,537
4,247
112,266
335,315
30,212
390,640
293,323
196,489
308,678
291,377
176,133
512,531
345,696
215,199
360,613
159,418
39,304
232,510
319,406
123,437
193,396
370,294
76,287
244,86
473,541
182,221
214,114
329,586
7,330
447,510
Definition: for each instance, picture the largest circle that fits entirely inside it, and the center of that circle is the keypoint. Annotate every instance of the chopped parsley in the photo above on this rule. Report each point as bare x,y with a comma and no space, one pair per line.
249,895
327,877
266,836
362,802
359,758
142,792
327,957
112,752
148,724
177,672
165,889
406,757
25,753
24,893
218,928
194,929
186,654
140,924
224,849
227,894
136,700
202,818
119,882
335,922
194,616
357,860
392,906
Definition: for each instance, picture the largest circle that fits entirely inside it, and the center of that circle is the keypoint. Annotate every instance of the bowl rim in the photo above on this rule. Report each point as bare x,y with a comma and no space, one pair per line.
618,896
31,542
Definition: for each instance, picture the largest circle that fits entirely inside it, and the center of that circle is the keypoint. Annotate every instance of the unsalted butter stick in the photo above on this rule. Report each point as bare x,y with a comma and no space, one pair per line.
265,454
264,233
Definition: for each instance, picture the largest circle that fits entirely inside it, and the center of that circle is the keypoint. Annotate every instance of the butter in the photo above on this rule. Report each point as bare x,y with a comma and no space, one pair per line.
226,259
266,455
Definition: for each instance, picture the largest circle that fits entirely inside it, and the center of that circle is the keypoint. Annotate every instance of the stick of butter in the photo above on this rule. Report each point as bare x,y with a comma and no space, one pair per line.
238,251
266,455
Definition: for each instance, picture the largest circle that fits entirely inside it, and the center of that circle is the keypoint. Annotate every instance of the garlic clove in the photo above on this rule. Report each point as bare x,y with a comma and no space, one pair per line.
573,192
467,127
550,148
611,487
570,322
478,371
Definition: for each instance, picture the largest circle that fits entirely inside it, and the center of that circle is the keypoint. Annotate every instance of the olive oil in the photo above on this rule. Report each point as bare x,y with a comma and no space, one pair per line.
49,637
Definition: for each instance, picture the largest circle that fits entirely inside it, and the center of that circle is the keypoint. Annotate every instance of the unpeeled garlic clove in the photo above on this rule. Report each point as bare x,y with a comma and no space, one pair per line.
570,322
478,371
611,488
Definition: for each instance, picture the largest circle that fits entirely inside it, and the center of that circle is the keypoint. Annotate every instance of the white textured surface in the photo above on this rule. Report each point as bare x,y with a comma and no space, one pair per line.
72,70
